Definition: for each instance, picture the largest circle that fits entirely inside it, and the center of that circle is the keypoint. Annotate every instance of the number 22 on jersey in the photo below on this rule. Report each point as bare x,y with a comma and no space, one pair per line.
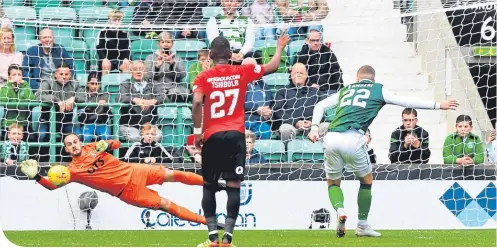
220,100
355,98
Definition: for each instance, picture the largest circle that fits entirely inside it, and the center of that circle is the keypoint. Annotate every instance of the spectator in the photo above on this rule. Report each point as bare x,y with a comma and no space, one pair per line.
16,90
294,104
262,13
8,54
203,64
295,11
148,150
242,40
41,61
164,67
143,98
6,23
257,106
371,154
253,156
61,93
93,119
409,143
463,147
113,46
322,65
14,150
193,152
491,148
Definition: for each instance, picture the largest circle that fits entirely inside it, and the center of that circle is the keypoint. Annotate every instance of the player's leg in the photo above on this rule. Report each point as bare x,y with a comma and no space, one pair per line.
362,168
212,153
333,166
185,177
233,173
180,212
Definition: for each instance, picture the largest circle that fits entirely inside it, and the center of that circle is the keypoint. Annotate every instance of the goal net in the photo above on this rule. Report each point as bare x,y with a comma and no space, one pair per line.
430,49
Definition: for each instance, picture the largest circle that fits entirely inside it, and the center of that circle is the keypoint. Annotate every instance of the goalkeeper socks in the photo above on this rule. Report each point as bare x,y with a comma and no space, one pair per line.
187,178
364,201
336,196
184,213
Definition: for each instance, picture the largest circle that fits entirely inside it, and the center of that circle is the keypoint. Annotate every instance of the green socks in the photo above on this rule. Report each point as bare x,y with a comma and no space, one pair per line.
364,201
336,196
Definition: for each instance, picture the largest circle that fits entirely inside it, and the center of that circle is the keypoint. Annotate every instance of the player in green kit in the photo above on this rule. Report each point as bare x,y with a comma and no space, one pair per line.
345,144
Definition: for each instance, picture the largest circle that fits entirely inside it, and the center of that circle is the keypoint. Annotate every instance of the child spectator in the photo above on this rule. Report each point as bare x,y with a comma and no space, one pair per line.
261,12
16,90
463,147
204,63
14,150
492,148
93,119
113,46
372,156
148,150
193,152
253,156
8,54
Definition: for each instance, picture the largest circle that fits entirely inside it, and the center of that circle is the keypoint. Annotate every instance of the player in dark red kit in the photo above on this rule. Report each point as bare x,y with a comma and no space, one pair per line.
222,136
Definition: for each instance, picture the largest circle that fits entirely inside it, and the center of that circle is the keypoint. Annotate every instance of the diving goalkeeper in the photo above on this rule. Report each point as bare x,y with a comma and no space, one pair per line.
94,167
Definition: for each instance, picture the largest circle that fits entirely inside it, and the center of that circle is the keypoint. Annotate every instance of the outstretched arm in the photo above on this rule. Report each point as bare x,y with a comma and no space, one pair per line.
107,145
274,63
30,169
412,102
320,108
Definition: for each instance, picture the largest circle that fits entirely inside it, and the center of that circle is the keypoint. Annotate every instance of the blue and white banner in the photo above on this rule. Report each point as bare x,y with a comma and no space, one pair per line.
24,205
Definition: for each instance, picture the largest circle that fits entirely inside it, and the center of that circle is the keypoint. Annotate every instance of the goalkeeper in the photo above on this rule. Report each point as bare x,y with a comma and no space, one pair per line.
345,145
92,166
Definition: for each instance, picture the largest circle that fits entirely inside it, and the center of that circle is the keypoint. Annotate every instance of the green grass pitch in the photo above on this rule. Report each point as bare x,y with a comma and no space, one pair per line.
158,238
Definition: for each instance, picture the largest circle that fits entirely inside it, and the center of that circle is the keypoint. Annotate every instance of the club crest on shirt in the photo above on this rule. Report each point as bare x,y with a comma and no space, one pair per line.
471,145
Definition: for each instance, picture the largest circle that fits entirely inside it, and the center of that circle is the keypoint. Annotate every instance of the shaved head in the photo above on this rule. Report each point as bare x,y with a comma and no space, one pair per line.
366,72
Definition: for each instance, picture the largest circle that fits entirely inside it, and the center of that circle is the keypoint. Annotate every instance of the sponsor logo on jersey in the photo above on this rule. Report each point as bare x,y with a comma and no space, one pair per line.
257,69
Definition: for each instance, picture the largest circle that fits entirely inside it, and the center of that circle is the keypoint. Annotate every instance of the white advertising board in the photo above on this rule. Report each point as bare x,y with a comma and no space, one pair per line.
24,205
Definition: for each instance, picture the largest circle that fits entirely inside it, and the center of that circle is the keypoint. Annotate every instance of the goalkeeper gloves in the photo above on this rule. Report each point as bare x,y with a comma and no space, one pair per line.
102,146
30,168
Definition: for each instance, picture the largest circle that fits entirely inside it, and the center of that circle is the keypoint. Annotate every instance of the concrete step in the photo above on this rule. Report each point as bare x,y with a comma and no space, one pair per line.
366,33
382,65
375,49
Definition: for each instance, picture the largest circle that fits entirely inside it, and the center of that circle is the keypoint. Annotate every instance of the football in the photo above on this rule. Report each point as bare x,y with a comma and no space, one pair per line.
59,175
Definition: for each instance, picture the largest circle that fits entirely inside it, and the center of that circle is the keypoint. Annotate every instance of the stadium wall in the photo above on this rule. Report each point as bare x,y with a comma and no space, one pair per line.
265,205
445,63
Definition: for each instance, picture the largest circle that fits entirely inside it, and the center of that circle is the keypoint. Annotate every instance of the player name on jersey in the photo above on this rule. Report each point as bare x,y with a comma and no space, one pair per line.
224,82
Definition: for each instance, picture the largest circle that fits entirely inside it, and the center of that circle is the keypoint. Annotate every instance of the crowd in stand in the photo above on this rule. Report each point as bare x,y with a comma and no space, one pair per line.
46,73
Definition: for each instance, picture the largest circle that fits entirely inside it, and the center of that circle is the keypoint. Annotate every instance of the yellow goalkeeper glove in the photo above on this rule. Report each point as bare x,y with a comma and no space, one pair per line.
30,168
102,146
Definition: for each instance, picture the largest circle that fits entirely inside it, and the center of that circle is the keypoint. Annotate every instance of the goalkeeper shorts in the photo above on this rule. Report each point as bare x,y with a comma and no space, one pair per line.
137,193
346,150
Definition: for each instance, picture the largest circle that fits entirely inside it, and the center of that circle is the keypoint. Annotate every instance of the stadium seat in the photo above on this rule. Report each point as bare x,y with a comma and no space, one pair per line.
19,15
272,150
293,48
305,150
128,14
277,80
2,113
10,3
188,49
23,45
39,4
111,82
174,130
140,49
82,78
78,4
94,14
64,14
35,117
260,44
208,12
78,51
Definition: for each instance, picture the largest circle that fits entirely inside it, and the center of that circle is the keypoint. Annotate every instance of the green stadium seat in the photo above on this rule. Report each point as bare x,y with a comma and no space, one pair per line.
128,14
82,78
40,4
305,150
208,12
111,82
65,14
140,49
260,44
78,51
272,150
277,80
10,3
78,4
23,45
2,113
188,49
35,117
94,14
293,48
170,124
19,15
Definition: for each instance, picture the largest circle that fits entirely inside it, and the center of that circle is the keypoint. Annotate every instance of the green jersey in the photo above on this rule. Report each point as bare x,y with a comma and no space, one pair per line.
358,105
230,29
